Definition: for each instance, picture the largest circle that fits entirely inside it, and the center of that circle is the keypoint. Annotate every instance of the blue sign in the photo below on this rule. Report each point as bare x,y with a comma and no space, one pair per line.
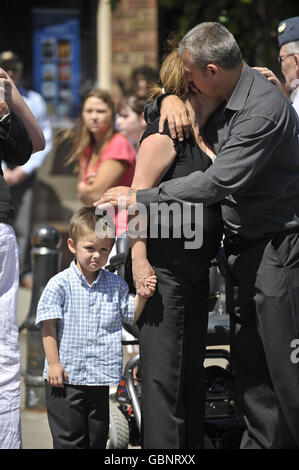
56,45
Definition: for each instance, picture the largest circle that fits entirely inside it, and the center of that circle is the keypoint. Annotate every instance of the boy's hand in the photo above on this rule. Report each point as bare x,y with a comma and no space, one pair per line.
56,374
150,286
142,271
140,299
151,283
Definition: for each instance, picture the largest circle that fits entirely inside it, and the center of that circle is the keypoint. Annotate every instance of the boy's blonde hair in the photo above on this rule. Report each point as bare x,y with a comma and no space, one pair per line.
86,220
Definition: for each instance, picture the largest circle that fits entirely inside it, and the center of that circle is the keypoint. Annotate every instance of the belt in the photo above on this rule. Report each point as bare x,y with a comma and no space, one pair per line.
239,243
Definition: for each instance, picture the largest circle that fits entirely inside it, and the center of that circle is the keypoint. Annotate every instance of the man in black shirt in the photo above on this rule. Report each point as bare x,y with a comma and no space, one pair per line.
20,135
255,175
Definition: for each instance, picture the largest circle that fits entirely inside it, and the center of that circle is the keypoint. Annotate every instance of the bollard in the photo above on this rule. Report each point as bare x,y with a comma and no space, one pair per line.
45,256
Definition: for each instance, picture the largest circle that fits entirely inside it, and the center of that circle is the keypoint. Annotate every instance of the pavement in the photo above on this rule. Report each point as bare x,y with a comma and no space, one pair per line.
35,428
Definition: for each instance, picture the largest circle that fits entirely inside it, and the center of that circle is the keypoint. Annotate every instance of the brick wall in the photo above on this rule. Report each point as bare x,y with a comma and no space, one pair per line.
134,37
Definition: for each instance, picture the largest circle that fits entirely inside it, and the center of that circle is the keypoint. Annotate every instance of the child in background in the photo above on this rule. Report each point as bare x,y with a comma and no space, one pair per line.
130,119
81,311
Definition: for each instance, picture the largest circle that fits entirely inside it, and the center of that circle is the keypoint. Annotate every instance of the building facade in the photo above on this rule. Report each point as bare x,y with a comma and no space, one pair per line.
112,41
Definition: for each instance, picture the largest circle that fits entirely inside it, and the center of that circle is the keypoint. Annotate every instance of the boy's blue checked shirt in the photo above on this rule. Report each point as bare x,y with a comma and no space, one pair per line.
89,324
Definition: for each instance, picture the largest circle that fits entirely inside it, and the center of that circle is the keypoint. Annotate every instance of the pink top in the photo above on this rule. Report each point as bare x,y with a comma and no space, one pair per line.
118,148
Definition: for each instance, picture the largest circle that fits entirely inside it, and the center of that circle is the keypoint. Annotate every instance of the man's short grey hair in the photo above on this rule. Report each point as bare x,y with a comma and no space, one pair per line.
211,42
292,47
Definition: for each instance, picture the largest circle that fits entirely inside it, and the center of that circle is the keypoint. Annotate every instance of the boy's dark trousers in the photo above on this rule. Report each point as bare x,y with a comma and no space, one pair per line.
78,416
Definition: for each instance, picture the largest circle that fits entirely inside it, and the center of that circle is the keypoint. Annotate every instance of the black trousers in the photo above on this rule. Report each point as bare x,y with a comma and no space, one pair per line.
266,314
78,416
172,339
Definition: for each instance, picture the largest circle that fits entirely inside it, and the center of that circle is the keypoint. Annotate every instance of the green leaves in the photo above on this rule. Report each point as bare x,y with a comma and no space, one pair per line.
253,23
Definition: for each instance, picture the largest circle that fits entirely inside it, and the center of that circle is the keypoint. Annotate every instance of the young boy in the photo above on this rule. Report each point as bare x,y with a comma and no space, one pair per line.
81,312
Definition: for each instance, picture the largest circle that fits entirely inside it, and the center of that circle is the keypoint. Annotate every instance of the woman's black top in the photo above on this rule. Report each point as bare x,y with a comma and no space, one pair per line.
189,158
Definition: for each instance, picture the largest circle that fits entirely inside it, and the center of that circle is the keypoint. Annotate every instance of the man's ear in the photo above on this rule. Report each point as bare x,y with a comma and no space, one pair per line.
71,245
212,70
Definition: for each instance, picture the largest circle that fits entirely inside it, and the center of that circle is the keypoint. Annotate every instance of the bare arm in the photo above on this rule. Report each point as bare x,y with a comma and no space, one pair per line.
150,168
108,175
15,102
140,301
155,156
56,372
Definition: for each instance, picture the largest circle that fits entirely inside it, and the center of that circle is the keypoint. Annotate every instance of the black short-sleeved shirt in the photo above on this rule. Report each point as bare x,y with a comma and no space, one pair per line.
255,174
15,148
189,158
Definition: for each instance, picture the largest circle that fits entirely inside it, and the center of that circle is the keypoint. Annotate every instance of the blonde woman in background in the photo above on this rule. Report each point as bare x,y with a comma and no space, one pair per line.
104,158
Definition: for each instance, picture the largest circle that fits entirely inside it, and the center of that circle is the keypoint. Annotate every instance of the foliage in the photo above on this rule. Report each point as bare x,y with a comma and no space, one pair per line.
253,23
113,4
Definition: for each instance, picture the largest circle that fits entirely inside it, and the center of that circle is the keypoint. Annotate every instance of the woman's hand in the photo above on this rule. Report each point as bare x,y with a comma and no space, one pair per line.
174,111
142,272
83,194
82,188
91,178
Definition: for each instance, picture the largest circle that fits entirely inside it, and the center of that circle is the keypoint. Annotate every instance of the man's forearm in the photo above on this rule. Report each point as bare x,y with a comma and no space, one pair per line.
147,196
194,188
